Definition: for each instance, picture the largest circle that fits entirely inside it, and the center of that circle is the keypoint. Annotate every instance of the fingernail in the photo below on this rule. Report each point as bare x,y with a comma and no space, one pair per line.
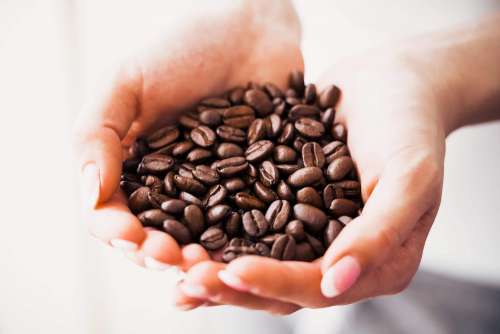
90,184
154,264
124,245
340,277
193,290
233,281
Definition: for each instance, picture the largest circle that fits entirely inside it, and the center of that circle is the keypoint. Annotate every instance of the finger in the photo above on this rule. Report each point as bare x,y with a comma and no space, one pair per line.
203,283
101,126
160,250
286,281
404,193
191,255
113,223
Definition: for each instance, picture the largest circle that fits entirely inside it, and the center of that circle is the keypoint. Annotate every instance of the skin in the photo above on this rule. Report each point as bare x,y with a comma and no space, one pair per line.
398,110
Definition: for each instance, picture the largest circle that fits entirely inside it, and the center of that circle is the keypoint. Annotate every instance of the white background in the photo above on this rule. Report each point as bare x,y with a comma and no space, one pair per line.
54,278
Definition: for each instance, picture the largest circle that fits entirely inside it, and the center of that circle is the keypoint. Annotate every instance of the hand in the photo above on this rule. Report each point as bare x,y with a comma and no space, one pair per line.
396,135
216,50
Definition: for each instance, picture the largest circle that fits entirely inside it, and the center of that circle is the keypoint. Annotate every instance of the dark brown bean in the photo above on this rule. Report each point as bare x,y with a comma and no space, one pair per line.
153,182
273,90
313,218
153,218
264,193
203,136
129,186
332,230
316,245
206,175
231,166
298,143
162,137
239,117
284,192
217,213
233,252
198,155
178,231
211,117
309,195
303,110
233,224
258,100
254,223
339,132
268,174
331,192
269,239
173,206
229,150
214,238
309,127
295,228
339,168
278,213
306,176
189,184
247,202
273,126
138,200
296,82
329,97
156,199
214,196
259,150
310,93
169,185
284,154
189,122
283,248
312,155
344,207
236,95
287,169
334,150
350,188
194,219
234,184
139,148
256,131
182,148
287,134
229,133
189,198
304,252
215,102
327,117
157,164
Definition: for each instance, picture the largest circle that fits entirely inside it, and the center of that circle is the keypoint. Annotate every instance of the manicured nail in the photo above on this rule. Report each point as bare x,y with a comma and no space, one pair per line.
154,264
233,281
124,245
91,185
340,277
193,290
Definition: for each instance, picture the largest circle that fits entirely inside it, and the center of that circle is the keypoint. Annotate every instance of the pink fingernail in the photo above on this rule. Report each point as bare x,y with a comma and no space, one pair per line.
233,281
194,290
90,184
340,277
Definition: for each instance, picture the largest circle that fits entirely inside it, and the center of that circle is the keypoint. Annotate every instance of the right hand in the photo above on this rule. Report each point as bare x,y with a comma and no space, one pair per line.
244,41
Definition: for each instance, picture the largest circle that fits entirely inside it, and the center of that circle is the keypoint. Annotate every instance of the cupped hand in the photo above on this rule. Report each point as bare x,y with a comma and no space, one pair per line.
392,108
209,54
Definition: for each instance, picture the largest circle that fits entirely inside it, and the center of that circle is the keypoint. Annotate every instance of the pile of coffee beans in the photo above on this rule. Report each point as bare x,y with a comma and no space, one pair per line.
256,171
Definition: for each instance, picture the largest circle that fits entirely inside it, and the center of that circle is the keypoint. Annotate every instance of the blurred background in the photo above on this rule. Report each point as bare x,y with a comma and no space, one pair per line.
55,278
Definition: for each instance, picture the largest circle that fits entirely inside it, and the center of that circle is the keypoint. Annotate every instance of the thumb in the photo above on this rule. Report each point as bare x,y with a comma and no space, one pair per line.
405,191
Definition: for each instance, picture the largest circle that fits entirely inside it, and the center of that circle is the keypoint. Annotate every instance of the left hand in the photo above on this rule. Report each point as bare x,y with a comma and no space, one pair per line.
394,116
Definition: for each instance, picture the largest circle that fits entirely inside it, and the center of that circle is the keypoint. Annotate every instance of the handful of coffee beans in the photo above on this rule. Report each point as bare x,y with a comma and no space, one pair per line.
256,171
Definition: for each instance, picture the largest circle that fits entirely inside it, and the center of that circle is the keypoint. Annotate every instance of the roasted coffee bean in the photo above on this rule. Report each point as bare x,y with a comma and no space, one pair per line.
206,175
190,185
331,192
280,108
231,166
310,93
182,148
284,154
239,116
157,164
214,238
264,193
189,198
316,245
344,219
189,122
309,195
153,182
262,249
215,102
130,177
344,207
229,133
211,117
284,191
309,127
273,90
312,155
194,219
198,155
156,199
313,218
139,148
303,110
233,252
304,252
269,239
233,184
332,230
129,186
298,143
173,206
236,95
329,97
169,185
258,100
268,174
138,200
283,248
327,117
233,224
273,126
229,150
334,150
256,131
203,136
287,134
247,202
259,150
178,231
166,150
306,176
339,132
186,170
153,218
295,228
217,213
296,82
350,188
287,169
162,137
130,165
339,168
237,242
278,213
214,196
254,223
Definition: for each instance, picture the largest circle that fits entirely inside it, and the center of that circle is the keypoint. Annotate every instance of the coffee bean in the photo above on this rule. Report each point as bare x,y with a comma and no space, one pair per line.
211,117
278,213
254,223
303,110
214,238
284,154
339,132
309,195
280,108
343,207
229,150
190,185
233,224
153,182
236,95
329,97
215,102
138,200
156,199
283,248
312,155
313,218
129,186
169,185
182,148
258,100
203,136
173,206
269,239
162,137
233,252
214,196
189,122
268,174
316,245
334,150
247,202
194,219
264,193
287,134
239,117
217,213
178,231
306,176
231,166
189,198
332,230
273,125
186,170
206,175
232,134
309,127
296,82
153,218
339,168
273,90
350,188
331,192
287,169
259,150
157,164
233,184
304,252
310,93
256,131
198,155
139,148
262,249
295,228
284,192
327,118
298,143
